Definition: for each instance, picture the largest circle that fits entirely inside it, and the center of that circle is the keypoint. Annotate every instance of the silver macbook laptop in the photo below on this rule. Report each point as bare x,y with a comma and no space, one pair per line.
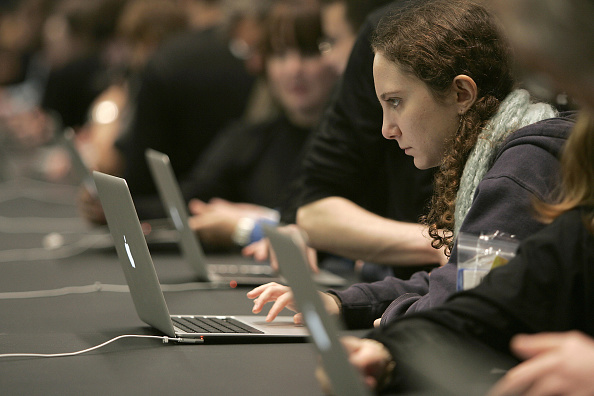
344,378
78,164
156,231
242,270
145,289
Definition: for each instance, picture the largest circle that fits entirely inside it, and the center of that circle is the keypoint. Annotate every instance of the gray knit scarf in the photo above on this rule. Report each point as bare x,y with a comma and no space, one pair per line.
515,111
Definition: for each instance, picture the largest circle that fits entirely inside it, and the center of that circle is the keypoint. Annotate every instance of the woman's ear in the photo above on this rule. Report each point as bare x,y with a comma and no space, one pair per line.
466,92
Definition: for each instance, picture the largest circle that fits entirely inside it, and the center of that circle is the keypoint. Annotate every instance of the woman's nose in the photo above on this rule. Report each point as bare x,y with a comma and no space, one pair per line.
389,131
294,62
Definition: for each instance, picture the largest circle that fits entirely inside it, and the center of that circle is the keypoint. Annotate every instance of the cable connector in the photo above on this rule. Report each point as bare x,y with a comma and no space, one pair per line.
183,340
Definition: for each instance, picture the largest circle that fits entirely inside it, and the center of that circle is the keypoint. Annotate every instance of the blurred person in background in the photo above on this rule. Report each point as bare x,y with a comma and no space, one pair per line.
258,164
23,71
245,173
341,21
183,99
72,54
189,90
142,28
353,182
82,52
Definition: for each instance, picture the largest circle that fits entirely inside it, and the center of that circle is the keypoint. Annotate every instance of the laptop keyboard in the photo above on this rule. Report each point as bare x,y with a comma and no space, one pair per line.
241,269
214,325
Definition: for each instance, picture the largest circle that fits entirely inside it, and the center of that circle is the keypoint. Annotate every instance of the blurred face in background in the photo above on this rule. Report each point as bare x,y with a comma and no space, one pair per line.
300,78
339,36
301,82
554,42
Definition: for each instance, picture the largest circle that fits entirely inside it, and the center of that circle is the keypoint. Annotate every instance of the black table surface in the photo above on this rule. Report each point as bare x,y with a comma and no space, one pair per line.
88,306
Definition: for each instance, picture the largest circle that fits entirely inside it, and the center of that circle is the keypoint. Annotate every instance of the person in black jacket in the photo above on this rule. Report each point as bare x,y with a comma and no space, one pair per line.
247,169
184,99
179,102
352,177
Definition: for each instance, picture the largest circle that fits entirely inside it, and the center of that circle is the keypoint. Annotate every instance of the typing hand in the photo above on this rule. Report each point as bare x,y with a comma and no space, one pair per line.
214,224
262,251
371,358
90,207
283,298
280,295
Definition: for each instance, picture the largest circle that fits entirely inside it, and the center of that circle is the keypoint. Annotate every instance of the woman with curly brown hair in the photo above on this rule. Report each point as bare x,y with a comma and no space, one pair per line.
443,76
541,324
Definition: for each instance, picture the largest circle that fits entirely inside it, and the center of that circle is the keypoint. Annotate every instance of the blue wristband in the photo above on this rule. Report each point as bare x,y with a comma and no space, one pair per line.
257,232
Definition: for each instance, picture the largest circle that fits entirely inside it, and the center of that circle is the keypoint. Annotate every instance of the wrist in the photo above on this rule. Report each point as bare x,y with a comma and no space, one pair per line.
243,230
249,230
334,309
387,365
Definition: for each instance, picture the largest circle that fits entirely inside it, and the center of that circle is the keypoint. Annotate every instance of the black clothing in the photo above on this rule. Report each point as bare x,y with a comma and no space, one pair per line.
71,89
350,158
190,89
252,164
547,287
245,163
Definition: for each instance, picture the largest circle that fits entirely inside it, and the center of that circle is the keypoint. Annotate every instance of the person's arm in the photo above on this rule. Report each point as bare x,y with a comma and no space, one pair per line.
545,288
355,181
338,225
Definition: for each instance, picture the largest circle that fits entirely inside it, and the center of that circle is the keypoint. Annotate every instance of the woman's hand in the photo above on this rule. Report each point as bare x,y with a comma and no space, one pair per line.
283,298
90,207
280,295
262,251
370,358
213,223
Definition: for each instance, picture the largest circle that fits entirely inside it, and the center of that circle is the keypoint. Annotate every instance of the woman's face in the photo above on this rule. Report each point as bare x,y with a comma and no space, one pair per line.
412,116
302,83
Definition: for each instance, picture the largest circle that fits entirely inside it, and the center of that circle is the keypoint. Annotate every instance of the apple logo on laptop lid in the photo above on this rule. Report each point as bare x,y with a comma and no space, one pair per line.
130,258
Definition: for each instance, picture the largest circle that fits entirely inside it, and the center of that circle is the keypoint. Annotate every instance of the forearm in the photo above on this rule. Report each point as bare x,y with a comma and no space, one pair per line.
339,226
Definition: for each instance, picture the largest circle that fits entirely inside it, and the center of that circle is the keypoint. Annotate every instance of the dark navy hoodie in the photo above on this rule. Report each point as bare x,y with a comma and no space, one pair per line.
525,167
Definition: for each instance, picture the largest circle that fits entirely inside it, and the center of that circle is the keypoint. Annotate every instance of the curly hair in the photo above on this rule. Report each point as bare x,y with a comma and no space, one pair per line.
435,42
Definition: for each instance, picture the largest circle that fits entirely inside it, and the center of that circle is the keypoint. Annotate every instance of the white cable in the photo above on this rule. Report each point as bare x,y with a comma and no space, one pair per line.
96,287
10,193
34,254
100,287
29,182
50,355
41,225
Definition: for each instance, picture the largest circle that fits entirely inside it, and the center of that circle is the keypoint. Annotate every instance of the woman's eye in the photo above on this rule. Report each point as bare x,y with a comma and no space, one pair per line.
394,102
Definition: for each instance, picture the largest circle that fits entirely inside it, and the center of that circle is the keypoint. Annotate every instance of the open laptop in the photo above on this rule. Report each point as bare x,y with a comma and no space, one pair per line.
344,378
440,362
136,262
78,164
156,231
237,269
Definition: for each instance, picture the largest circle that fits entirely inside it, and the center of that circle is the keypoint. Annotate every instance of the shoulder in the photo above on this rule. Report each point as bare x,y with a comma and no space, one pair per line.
241,132
568,236
549,134
535,147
